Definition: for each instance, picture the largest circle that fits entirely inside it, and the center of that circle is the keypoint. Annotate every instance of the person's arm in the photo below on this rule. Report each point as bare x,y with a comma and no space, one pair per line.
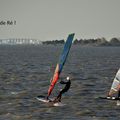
62,82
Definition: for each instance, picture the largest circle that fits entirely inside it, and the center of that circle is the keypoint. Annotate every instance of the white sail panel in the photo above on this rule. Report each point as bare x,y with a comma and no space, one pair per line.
115,85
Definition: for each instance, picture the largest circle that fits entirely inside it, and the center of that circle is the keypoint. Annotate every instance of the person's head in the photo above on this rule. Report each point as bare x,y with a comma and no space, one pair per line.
68,78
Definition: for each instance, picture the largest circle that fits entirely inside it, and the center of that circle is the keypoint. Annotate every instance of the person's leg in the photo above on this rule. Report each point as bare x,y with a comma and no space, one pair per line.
59,95
58,98
119,94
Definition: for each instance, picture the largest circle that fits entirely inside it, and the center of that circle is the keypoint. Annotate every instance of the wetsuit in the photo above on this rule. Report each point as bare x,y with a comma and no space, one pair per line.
119,94
65,89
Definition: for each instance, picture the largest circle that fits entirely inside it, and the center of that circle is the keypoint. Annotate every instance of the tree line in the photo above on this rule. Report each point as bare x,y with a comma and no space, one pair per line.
87,42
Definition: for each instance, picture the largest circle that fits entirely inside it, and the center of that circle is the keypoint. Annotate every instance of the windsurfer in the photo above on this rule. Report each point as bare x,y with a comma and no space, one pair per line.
65,89
119,91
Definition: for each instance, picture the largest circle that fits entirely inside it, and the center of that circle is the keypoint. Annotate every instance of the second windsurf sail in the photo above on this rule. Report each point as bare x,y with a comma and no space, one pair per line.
115,88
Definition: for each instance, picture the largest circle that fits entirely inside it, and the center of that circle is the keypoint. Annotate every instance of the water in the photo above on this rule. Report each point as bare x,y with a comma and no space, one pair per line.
25,72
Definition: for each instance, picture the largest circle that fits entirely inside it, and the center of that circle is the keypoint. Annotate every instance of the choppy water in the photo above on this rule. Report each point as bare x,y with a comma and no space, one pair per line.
25,72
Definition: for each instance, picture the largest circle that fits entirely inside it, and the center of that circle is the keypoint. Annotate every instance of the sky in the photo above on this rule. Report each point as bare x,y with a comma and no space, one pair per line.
55,19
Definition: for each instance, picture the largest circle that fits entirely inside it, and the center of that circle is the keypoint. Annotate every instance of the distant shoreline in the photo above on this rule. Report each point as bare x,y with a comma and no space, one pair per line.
80,42
87,42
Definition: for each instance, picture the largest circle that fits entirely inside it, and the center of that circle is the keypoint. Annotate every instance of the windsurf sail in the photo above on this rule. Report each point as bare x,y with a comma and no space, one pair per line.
61,63
115,88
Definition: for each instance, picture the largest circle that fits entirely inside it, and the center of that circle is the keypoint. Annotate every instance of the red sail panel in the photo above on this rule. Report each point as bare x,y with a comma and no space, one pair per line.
54,80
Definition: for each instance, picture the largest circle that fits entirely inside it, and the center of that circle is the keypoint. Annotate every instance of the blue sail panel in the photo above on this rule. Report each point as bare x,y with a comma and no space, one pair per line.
65,52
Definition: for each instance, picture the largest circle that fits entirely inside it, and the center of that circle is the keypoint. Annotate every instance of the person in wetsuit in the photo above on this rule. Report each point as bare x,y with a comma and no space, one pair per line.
65,89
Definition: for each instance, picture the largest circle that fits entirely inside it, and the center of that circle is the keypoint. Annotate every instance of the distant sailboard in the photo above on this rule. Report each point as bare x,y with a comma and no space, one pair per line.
114,93
59,66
